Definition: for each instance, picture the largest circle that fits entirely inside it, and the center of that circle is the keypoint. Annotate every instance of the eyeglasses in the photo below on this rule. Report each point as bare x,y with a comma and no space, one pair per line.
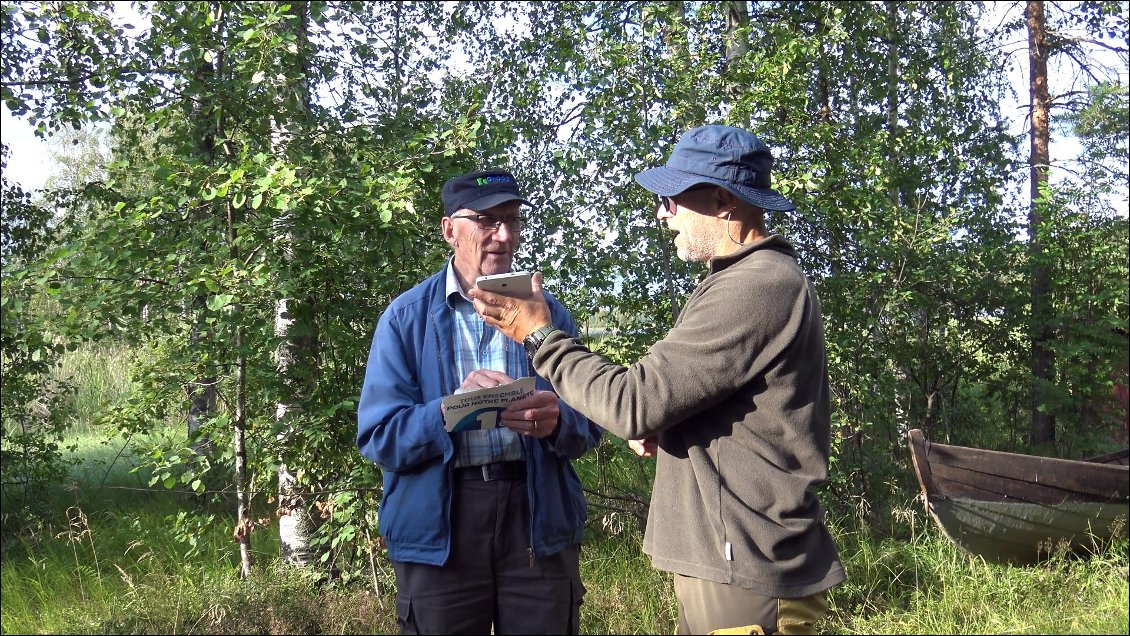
491,223
666,202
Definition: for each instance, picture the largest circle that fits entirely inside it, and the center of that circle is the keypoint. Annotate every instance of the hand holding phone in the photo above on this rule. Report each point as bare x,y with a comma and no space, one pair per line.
515,284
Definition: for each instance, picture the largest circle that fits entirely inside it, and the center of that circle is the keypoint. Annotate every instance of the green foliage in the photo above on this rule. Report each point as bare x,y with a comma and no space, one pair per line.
32,425
1101,123
1078,37
893,148
217,158
265,154
1087,250
1101,127
72,47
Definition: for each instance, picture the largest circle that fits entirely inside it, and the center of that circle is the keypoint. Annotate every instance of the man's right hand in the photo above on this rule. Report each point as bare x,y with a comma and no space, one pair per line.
480,379
485,379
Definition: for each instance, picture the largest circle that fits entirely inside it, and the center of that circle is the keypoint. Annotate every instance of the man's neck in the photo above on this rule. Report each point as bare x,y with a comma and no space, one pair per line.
737,237
466,279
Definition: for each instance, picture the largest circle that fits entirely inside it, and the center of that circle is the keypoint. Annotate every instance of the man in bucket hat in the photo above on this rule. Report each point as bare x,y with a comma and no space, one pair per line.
484,526
733,401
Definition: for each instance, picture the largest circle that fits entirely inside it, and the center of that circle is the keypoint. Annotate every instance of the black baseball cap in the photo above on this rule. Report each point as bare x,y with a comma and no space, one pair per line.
480,191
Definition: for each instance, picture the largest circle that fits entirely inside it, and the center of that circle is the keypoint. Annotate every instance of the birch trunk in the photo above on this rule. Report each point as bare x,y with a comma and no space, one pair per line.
297,352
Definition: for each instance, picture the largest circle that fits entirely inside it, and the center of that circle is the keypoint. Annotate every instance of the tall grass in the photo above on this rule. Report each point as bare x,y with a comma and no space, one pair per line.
104,559
929,586
98,374
625,595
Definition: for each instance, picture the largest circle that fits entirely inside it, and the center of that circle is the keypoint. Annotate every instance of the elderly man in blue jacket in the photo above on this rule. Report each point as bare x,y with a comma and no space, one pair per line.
483,527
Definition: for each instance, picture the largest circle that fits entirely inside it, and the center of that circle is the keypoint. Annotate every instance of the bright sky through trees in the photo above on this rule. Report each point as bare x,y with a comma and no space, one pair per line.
32,162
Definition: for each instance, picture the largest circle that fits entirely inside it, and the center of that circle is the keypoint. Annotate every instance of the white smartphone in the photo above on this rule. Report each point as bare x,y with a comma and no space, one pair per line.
510,284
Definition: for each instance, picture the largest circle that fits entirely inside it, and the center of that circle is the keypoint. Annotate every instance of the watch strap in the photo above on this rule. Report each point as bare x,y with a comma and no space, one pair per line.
534,341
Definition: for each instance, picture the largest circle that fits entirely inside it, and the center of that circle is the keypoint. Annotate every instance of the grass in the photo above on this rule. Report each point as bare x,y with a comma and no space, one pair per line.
101,557
625,595
99,375
104,560
929,586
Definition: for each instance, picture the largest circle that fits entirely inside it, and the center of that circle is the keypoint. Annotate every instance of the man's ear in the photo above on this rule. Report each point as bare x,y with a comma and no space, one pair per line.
447,228
725,200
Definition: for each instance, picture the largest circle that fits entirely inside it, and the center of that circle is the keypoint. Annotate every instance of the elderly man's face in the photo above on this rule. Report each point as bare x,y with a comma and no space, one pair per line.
479,248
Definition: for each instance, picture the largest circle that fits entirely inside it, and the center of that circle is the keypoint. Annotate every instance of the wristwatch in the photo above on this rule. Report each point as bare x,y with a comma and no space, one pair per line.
533,341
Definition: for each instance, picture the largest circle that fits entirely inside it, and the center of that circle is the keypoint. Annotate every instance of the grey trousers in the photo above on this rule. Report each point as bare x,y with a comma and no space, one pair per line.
491,577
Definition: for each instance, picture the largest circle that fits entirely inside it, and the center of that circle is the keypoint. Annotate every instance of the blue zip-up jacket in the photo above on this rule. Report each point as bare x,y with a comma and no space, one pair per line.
411,369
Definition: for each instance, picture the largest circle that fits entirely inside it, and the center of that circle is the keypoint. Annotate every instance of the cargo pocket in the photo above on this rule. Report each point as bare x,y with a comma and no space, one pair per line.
800,615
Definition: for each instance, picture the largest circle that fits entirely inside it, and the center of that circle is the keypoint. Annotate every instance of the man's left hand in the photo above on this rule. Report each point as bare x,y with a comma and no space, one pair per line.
533,416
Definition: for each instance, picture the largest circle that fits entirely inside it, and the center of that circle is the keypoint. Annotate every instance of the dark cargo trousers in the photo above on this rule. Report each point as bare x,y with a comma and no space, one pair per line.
490,577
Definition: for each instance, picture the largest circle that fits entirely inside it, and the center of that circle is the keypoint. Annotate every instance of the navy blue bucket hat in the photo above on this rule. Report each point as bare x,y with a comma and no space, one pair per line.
722,155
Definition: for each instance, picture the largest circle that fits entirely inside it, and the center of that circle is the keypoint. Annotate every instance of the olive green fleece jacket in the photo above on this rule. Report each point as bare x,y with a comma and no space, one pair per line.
737,393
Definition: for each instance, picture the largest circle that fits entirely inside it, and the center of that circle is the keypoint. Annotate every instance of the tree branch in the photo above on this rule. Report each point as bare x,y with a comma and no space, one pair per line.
114,280
1085,40
72,80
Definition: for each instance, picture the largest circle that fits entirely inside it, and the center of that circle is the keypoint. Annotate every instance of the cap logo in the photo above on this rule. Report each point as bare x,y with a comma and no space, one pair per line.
493,179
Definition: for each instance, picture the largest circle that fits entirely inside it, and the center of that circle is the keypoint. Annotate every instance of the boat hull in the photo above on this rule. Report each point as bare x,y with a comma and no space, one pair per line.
1020,509
1025,533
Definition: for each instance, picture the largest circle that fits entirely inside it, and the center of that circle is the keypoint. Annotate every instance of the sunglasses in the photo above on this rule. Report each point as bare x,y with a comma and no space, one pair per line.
668,203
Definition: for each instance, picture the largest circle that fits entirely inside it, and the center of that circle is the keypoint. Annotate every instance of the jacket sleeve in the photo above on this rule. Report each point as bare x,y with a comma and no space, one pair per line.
396,427
718,347
575,434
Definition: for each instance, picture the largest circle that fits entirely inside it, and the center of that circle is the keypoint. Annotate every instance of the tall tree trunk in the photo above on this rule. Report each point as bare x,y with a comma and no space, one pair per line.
1043,362
653,23
737,29
296,356
892,101
737,45
239,420
202,391
239,431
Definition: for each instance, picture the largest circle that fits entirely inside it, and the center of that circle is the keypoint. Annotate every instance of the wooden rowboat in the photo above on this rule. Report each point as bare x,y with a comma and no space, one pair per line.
1020,509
